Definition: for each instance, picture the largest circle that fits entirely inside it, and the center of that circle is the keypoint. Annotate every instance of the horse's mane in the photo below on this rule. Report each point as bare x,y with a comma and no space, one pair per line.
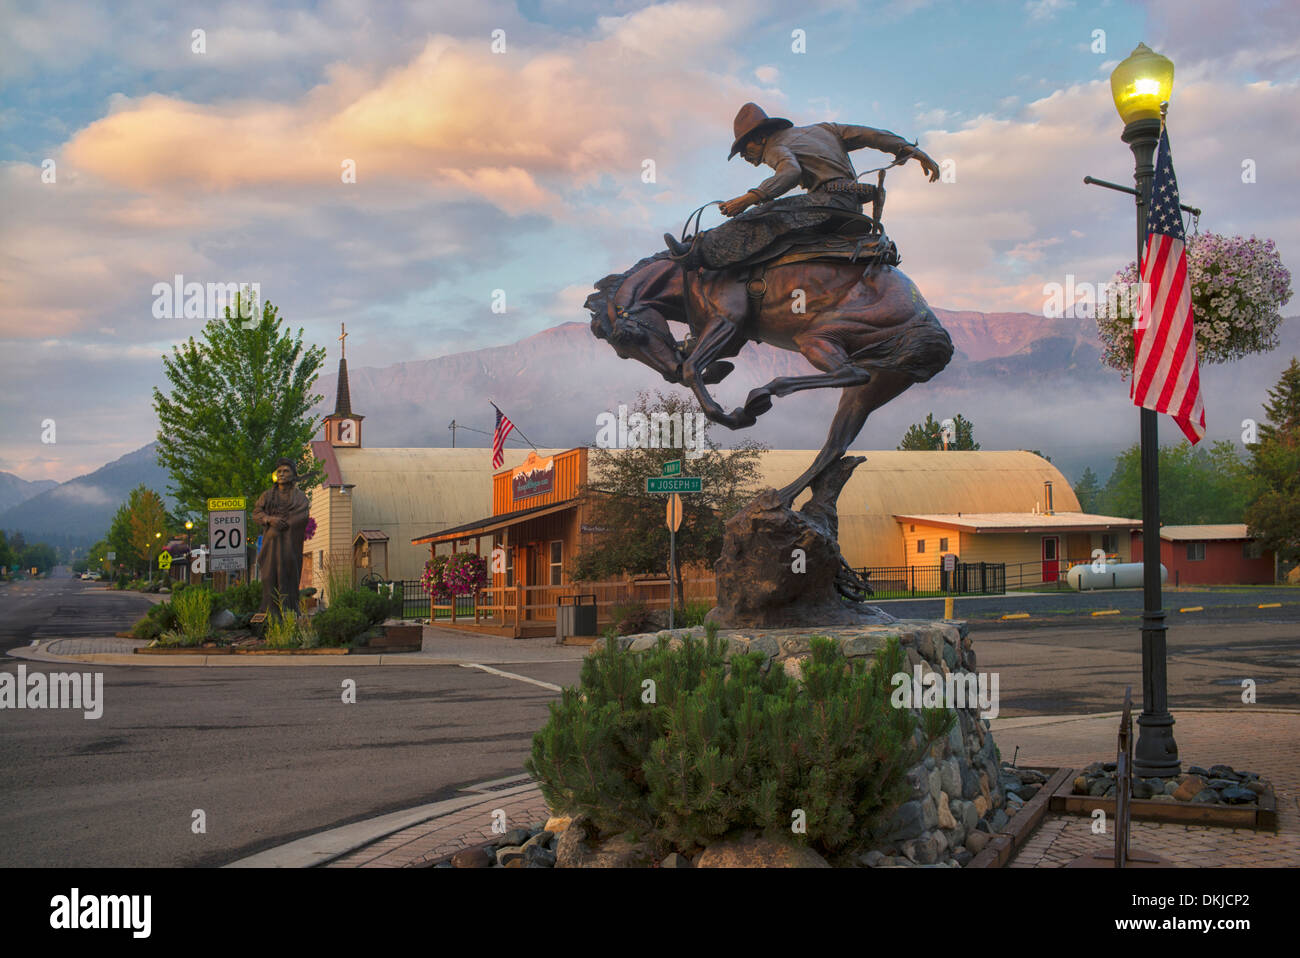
598,302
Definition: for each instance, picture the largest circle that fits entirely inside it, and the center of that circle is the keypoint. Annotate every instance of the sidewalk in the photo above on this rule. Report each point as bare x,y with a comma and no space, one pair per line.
1254,740
439,647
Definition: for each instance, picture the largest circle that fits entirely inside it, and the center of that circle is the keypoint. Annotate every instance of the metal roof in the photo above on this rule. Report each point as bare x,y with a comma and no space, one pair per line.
1235,530
1024,522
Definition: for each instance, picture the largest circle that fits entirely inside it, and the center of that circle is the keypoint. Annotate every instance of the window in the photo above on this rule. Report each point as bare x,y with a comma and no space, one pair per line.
557,562
1195,551
911,528
943,545
1252,550
920,546
1109,542
510,566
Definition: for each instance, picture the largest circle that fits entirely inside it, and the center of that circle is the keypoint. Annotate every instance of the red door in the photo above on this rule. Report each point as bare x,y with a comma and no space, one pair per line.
1051,564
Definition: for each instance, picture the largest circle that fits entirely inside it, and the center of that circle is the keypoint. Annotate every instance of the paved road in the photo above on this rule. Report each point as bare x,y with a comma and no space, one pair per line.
1223,606
272,754
64,606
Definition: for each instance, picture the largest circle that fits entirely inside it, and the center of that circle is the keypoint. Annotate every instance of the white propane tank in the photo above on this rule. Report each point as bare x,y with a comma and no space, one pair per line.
1121,575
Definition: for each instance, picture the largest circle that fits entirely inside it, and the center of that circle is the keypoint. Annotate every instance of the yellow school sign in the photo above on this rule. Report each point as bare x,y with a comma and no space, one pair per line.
230,502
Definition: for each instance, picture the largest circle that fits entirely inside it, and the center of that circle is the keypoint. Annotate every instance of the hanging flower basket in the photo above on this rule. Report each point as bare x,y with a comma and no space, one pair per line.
310,530
461,574
1238,288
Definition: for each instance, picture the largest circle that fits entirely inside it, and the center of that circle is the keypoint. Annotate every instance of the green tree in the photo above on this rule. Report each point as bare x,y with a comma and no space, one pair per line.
1273,515
7,558
635,537
929,434
38,555
119,540
1197,485
149,523
1088,490
239,400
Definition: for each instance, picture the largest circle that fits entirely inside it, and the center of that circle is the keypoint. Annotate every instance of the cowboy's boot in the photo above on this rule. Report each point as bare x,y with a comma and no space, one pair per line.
685,253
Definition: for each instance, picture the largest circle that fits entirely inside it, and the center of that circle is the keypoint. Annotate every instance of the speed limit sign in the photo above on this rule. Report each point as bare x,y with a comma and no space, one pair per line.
227,534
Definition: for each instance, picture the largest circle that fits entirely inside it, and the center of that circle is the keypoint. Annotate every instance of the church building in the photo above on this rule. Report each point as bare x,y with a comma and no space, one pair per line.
373,502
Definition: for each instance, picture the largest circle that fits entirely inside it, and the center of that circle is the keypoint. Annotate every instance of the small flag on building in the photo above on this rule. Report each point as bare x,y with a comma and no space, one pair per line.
1165,373
503,428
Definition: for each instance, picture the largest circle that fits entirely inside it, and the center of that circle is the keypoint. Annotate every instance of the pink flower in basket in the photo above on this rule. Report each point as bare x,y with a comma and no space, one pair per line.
311,528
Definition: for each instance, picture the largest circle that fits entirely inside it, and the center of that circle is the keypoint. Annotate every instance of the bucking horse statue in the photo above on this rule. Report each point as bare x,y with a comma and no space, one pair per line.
824,282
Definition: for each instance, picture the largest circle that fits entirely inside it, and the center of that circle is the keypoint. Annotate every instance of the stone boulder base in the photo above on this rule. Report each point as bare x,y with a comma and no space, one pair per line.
784,568
753,851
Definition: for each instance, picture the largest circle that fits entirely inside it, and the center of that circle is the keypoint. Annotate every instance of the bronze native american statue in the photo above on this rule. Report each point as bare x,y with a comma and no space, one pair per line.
282,513
865,327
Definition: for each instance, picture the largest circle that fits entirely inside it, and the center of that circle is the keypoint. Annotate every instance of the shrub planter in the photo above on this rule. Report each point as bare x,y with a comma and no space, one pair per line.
398,638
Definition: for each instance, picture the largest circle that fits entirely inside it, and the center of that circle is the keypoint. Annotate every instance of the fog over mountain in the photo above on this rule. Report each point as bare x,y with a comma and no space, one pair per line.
1024,381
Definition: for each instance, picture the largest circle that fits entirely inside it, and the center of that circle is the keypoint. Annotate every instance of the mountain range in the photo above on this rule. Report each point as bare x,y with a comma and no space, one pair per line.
1024,381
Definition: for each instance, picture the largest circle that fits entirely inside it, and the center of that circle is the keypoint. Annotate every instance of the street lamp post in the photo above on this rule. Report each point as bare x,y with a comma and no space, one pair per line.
1141,86
189,527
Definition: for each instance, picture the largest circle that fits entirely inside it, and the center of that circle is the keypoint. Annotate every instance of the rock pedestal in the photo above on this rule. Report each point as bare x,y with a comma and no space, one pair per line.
782,568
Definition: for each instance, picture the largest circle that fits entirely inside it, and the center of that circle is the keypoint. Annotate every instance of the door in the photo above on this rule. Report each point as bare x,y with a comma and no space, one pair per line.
1051,561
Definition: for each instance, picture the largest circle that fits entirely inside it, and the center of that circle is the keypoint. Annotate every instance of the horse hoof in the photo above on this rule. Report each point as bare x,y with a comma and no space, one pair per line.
717,372
758,402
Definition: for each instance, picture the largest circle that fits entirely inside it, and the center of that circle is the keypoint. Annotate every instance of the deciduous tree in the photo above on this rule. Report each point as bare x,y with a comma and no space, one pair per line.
239,400
1274,514
634,537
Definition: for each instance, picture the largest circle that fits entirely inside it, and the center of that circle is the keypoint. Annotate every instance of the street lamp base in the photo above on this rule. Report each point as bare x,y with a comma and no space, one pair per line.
1156,753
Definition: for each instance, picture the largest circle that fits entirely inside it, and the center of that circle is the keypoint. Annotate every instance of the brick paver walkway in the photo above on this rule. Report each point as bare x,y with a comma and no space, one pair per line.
1249,740
436,839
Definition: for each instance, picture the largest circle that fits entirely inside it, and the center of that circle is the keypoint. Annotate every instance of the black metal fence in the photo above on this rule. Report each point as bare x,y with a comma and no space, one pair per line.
415,602
965,578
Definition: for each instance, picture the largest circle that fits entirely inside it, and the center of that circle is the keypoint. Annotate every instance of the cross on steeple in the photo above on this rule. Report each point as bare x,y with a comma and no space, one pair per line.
343,336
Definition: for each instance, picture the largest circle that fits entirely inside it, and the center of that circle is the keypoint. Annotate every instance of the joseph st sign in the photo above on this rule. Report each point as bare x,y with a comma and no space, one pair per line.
674,484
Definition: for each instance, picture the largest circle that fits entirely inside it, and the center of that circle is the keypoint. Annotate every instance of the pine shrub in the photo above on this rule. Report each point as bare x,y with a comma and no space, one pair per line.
338,625
719,747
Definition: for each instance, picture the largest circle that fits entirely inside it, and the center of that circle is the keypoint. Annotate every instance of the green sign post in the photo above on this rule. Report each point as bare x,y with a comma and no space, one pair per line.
673,468
674,484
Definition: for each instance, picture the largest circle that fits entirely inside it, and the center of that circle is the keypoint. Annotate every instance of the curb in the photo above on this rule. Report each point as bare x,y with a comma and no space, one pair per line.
38,653
325,846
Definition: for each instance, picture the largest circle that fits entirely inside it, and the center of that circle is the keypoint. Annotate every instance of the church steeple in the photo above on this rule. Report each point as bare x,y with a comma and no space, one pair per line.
343,426
343,401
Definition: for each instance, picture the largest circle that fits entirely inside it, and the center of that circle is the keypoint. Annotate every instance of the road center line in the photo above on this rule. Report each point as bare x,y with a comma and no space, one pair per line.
511,675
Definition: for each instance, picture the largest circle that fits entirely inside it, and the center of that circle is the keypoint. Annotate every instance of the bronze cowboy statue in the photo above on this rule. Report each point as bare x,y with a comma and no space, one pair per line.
865,327
814,157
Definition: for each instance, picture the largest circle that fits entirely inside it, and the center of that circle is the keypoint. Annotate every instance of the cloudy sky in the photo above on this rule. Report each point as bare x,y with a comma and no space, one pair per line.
503,146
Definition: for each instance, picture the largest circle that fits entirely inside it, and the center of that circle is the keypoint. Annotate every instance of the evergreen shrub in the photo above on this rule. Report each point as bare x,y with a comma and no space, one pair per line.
338,625
159,619
729,747
240,599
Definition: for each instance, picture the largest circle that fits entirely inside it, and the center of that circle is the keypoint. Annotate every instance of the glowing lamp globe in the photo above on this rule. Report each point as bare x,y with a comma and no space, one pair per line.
1141,83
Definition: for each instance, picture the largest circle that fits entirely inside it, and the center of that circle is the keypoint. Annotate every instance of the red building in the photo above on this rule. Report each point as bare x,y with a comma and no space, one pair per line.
1211,555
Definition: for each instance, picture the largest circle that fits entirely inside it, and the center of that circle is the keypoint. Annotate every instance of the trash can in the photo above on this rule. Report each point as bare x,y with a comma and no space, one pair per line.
575,615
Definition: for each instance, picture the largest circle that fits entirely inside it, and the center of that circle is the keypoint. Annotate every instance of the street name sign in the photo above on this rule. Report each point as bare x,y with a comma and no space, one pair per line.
673,468
674,484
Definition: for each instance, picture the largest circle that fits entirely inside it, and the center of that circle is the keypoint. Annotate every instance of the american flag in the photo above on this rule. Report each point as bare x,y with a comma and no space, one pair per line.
504,426
1165,374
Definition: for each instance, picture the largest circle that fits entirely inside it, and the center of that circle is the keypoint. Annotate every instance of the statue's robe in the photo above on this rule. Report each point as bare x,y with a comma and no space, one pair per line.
280,561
